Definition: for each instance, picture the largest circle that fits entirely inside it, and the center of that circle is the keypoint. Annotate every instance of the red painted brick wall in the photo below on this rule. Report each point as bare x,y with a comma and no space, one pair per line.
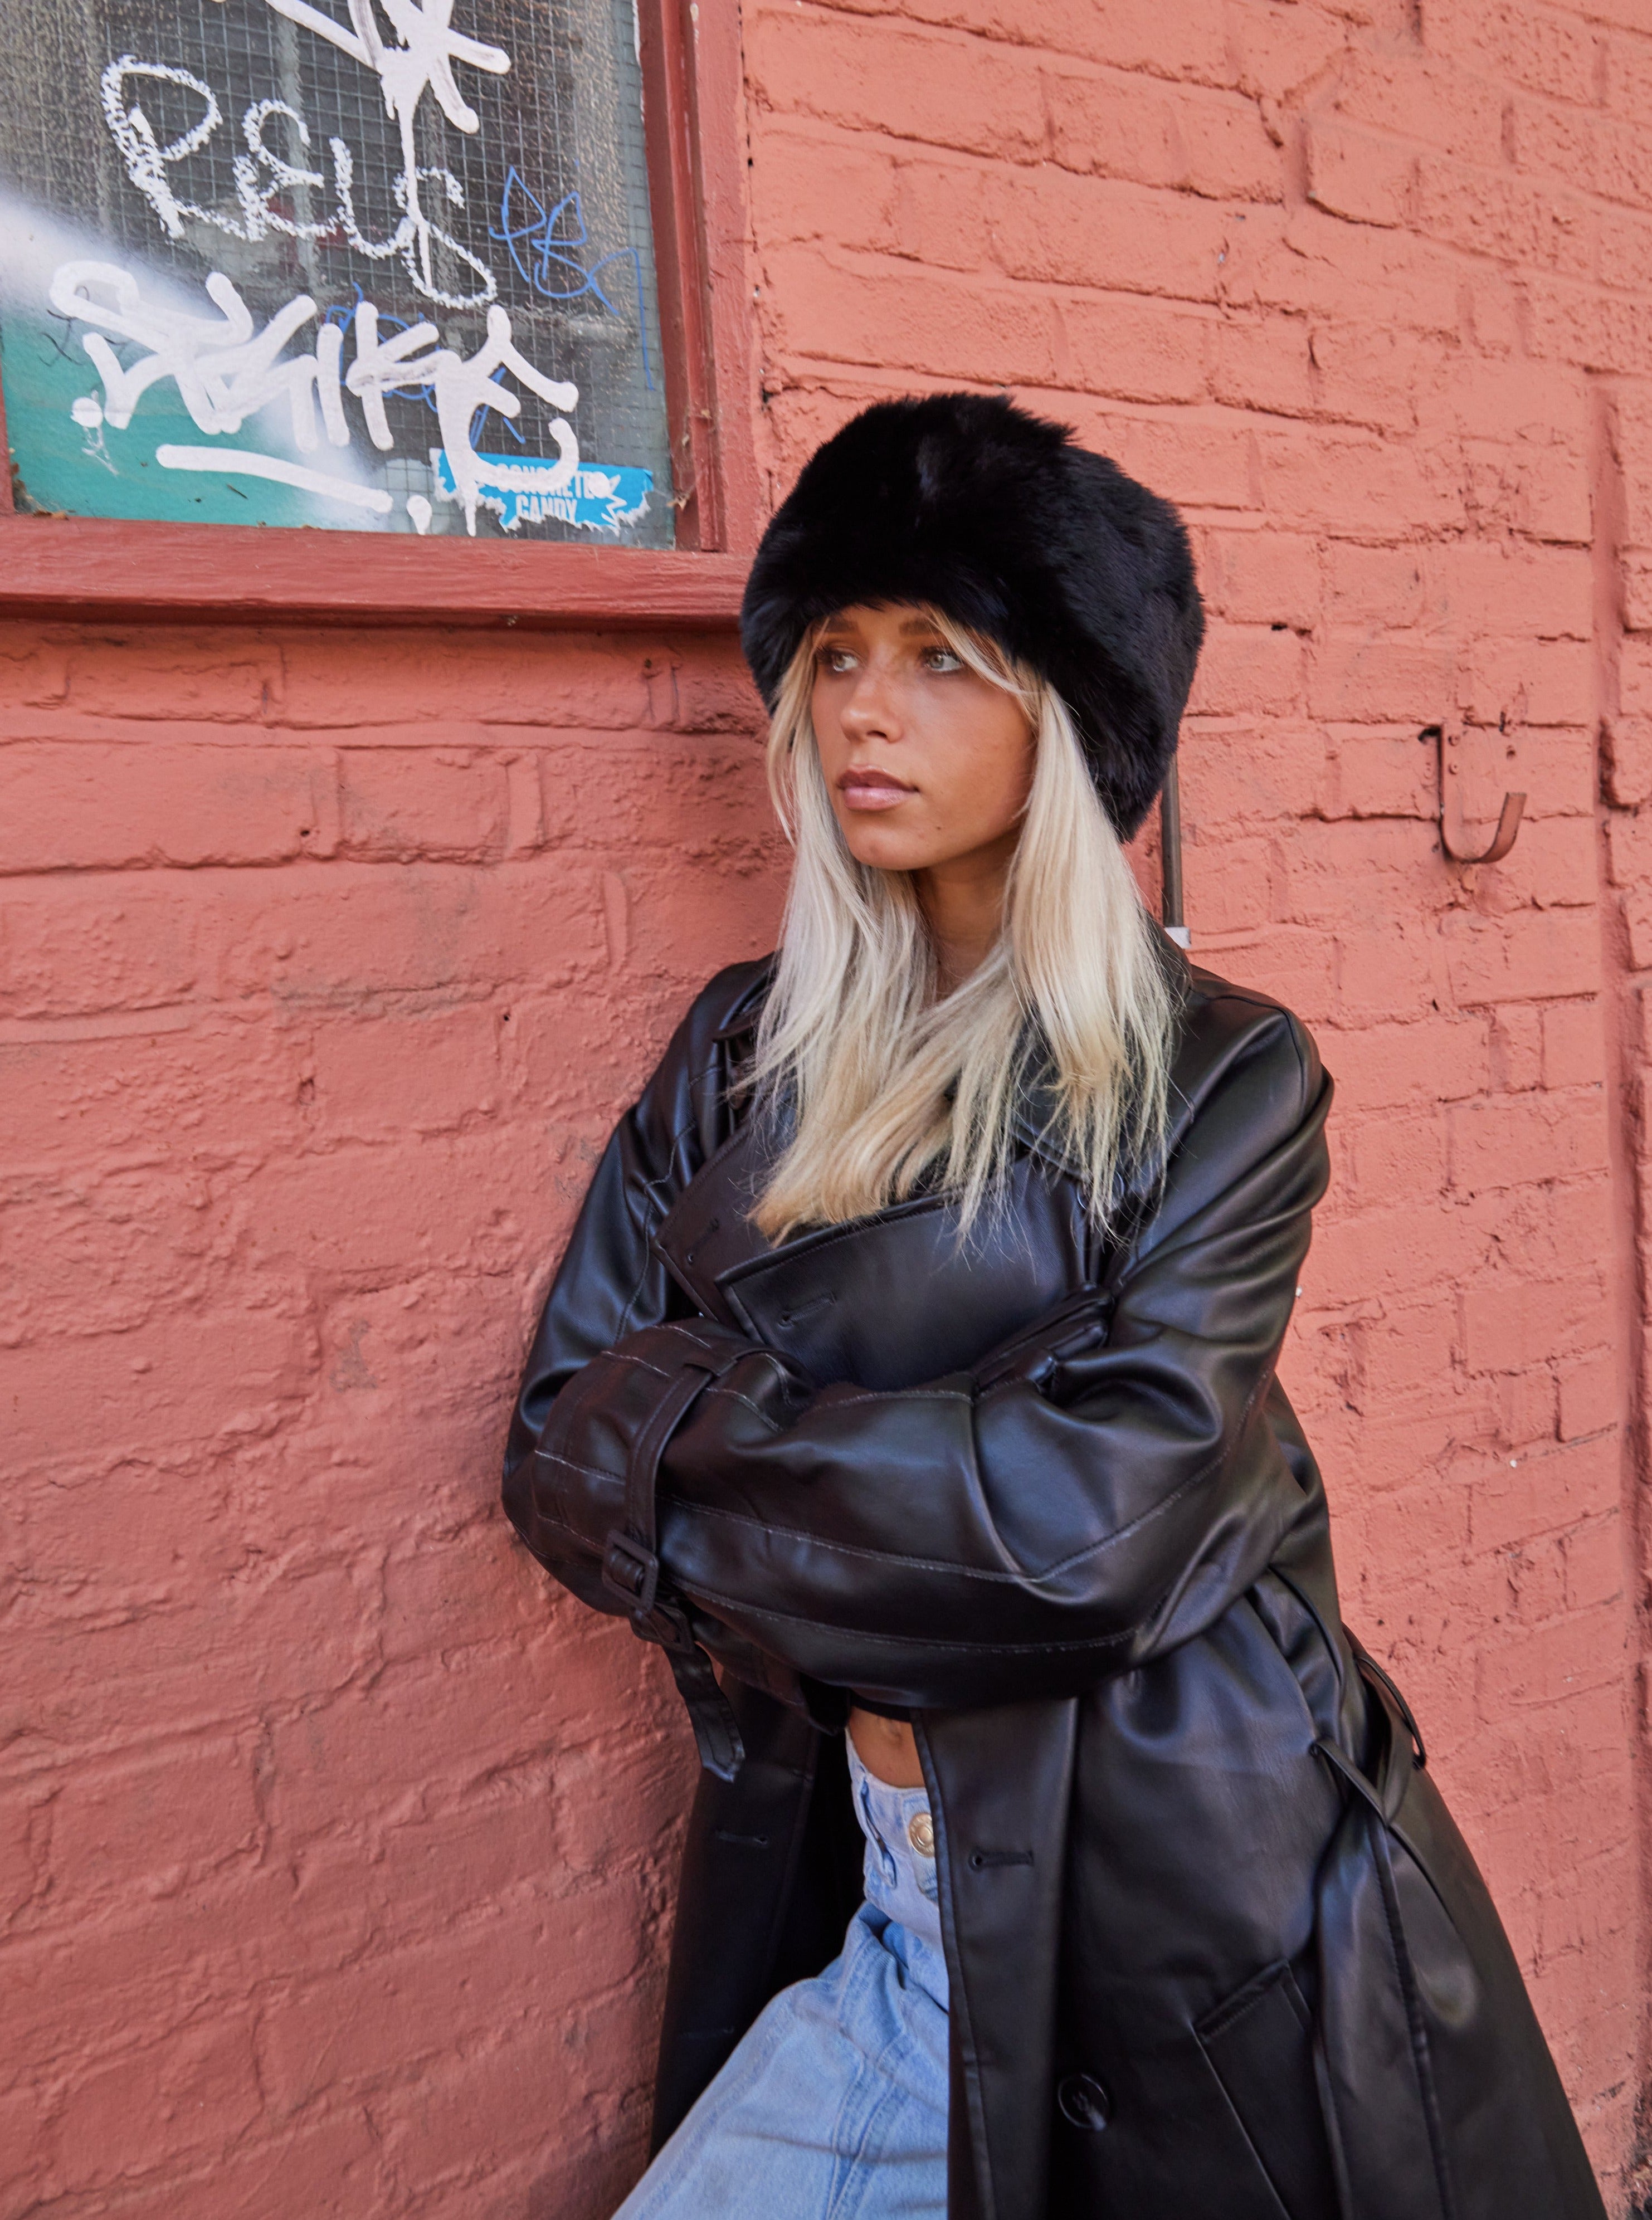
337,1852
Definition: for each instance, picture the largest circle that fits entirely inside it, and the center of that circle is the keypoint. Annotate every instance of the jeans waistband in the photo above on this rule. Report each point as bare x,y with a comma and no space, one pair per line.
902,1877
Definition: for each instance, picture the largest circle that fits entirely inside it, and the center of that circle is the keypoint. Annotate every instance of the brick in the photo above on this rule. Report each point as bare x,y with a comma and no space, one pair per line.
1626,72
1635,675
380,2017
402,803
1529,1404
425,1074
807,184
1544,1494
1132,349
1637,909
1379,586
1538,682
1350,481
1433,1058
1247,668
1486,211
332,2162
1596,1566
1540,954
1261,578
1379,775
1516,1048
1636,572
87,805
1360,174
1115,127
1509,1324
839,309
1265,363
470,681
164,2103
1574,1044
237,1364
172,674
1429,102
1573,322
1397,1156
1392,677
336,938
939,214
948,90
1253,773
1541,47
1408,1350
162,1820
214,1090
1545,1665
1055,228
1511,1138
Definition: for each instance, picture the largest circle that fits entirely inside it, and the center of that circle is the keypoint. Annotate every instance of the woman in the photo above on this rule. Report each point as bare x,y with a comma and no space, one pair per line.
913,1359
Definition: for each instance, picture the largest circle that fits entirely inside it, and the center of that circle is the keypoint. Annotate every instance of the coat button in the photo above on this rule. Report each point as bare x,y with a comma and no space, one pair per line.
1084,2101
920,1833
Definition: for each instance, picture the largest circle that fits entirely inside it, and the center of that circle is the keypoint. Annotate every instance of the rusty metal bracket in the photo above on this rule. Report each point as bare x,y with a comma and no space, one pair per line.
1508,822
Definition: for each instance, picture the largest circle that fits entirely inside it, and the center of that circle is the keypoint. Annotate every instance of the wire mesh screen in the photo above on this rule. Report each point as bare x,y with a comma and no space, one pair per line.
375,264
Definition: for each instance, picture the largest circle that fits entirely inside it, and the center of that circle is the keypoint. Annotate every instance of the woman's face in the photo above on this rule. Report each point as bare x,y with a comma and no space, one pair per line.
927,763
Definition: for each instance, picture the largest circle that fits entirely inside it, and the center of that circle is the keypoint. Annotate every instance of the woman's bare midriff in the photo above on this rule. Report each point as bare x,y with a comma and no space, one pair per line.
887,1748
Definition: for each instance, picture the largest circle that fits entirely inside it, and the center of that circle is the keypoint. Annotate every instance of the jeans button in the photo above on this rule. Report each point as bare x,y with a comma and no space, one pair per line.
1084,2102
920,1833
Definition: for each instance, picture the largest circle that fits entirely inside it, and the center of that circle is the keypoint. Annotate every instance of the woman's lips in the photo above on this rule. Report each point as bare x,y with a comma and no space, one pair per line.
872,789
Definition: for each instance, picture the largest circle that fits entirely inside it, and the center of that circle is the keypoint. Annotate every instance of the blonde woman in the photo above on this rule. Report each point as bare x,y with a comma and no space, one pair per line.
909,1380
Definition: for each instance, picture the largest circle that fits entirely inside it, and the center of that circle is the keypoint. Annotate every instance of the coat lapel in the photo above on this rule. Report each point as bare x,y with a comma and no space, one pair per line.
887,1301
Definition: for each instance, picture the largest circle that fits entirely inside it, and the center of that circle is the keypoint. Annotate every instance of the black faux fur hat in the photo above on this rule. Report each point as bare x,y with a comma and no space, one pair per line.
996,518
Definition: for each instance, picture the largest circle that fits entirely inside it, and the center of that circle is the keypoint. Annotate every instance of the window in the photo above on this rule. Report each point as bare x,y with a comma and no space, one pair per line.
381,266
333,263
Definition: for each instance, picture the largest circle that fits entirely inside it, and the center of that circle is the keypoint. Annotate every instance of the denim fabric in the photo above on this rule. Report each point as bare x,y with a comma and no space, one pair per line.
833,2104
901,1880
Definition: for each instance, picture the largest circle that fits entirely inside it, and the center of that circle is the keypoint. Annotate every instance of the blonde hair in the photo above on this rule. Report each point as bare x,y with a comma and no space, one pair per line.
888,1084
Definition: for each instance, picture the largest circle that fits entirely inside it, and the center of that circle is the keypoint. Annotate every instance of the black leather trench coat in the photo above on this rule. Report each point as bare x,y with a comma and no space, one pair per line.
1217,1951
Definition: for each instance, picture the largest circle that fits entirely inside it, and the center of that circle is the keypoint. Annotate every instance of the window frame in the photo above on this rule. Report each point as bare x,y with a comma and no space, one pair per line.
693,104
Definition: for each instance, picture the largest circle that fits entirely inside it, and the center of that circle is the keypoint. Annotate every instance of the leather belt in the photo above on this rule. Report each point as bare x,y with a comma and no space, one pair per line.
630,1570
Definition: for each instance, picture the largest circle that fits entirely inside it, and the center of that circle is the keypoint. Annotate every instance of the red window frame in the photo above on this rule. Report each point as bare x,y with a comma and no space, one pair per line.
692,96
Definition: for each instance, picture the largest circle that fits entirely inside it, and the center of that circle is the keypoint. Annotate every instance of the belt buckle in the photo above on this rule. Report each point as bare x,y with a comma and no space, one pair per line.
630,1572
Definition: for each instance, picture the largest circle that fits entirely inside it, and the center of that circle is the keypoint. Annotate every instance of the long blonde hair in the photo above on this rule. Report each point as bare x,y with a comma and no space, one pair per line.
887,1082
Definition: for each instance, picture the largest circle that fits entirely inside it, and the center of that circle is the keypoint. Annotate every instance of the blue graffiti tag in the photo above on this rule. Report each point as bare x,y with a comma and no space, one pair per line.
550,237
600,497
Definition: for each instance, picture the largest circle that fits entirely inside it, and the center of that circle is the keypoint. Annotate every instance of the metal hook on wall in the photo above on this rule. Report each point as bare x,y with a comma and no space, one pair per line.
1508,822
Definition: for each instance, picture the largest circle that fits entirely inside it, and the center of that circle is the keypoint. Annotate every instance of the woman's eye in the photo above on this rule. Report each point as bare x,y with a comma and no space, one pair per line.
941,659
836,659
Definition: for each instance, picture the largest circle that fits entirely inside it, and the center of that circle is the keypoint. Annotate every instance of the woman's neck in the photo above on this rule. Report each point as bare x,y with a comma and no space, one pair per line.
962,902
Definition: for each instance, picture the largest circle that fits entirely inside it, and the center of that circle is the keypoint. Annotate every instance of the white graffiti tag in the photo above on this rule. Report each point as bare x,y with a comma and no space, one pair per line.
225,372
460,386
422,62
265,175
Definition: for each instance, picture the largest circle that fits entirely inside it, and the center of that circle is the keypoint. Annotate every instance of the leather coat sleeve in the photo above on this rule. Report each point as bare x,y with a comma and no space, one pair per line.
610,1283
1099,1490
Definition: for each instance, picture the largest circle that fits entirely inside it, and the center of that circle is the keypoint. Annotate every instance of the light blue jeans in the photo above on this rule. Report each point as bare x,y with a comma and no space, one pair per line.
834,2104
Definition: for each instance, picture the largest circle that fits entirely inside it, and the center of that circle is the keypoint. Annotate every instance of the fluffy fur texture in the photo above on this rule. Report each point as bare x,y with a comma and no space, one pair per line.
969,504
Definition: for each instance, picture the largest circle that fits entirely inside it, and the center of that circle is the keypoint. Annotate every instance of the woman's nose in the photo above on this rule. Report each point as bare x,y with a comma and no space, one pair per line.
870,711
